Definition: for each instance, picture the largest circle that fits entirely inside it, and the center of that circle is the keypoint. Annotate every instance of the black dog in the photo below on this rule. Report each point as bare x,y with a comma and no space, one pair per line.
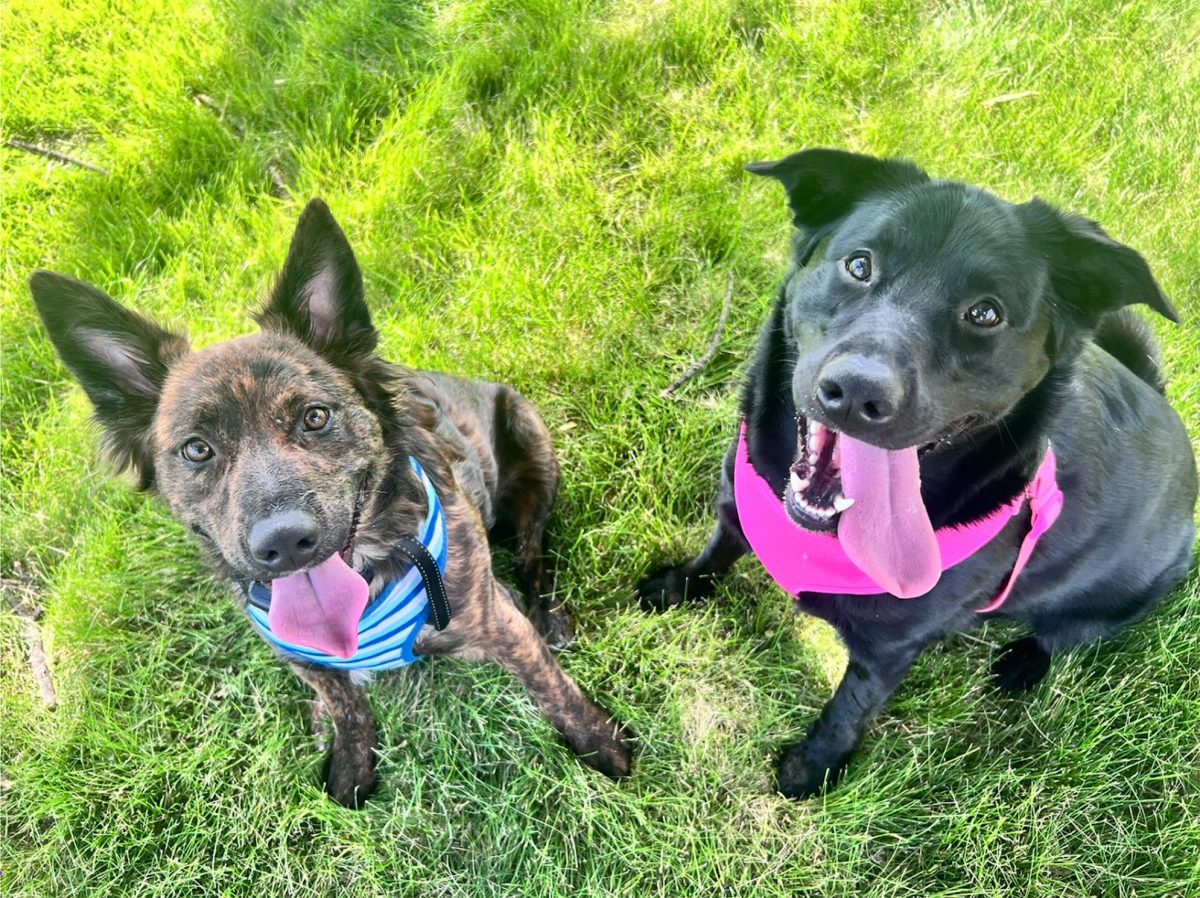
928,347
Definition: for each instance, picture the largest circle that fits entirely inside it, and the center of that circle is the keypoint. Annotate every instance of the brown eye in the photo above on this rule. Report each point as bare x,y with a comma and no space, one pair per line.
983,314
316,418
196,451
858,267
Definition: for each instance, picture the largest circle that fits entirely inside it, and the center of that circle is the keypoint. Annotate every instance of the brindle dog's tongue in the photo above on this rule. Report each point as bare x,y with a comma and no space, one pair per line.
886,532
320,608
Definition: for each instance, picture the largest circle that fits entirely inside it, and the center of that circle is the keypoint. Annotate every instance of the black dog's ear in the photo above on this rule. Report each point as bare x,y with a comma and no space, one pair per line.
119,357
823,185
1090,272
318,296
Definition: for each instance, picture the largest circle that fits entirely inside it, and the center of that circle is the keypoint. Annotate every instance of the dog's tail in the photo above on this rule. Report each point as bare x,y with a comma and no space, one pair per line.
1128,338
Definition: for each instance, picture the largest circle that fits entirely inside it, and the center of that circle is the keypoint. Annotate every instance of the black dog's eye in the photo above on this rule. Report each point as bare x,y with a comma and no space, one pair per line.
984,313
316,418
859,267
196,451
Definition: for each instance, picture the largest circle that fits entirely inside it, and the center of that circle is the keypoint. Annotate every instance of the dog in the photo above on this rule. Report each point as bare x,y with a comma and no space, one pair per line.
309,469
950,417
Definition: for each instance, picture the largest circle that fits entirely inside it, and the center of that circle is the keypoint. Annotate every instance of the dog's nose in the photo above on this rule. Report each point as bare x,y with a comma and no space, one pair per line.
854,389
284,541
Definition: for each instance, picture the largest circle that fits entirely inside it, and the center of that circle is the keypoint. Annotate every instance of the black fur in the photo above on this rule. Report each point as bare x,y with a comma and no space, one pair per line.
1064,365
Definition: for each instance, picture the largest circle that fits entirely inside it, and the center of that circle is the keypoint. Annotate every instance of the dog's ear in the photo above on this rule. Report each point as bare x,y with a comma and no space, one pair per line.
119,357
318,296
823,185
1091,273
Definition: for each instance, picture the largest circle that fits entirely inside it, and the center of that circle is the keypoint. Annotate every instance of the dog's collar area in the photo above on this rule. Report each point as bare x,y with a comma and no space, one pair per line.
803,560
391,622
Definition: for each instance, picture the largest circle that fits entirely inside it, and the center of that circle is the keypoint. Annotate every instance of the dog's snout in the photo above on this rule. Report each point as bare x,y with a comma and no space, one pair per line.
857,390
284,541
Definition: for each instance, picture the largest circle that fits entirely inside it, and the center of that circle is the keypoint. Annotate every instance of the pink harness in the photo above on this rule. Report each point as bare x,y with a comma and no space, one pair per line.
801,560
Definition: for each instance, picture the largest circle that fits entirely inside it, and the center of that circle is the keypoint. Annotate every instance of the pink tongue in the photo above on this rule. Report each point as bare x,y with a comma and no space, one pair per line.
886,532
320,608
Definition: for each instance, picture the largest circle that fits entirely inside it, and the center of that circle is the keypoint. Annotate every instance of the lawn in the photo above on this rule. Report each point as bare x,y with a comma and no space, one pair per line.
550,194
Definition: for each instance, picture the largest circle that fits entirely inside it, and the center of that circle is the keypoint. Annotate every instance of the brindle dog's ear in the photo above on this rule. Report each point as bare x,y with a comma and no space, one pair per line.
1091,273
119,357
318,296
823,185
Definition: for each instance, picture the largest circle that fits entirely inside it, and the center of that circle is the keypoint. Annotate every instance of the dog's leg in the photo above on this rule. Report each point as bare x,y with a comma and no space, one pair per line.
808,767
528,485
589,730
351,777
548,615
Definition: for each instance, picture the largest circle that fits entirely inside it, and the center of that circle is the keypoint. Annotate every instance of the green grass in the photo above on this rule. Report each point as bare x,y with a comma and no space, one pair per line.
549,193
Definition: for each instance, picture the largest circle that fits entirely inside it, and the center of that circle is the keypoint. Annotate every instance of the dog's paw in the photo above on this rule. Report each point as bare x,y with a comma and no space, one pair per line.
351,777
802,776
668,587
610,753
1021,665
554,625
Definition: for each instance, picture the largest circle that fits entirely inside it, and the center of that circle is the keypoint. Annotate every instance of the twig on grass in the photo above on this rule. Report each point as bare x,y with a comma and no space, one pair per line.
238,129
280,185
53,154
700,363
18,593
232,122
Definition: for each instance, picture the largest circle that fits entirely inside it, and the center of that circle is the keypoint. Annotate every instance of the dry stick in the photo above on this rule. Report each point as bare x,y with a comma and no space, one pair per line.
281,188
235,124
699,364
279,185
39,664
24,607
53,154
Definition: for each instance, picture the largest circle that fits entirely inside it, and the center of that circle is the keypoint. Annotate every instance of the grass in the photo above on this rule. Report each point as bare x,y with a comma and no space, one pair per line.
549,193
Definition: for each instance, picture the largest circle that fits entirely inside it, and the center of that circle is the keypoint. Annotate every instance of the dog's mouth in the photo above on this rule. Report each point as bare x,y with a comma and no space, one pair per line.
813,497
320,607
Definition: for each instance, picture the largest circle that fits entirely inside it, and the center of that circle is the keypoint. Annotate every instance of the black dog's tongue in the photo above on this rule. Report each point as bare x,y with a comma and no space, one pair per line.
887,532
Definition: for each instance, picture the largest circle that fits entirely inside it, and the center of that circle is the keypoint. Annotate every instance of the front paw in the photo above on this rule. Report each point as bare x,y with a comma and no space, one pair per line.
669,586
351,777
803,774
554,625
611,752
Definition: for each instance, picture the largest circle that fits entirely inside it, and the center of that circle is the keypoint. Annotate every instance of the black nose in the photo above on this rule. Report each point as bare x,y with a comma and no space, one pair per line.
284,541
854,389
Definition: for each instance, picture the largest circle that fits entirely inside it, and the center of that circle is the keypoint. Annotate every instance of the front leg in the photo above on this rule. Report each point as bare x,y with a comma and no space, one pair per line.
807,768
351,777
514,644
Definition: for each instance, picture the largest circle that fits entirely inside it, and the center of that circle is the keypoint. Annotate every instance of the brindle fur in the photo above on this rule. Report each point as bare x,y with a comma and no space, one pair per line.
483,445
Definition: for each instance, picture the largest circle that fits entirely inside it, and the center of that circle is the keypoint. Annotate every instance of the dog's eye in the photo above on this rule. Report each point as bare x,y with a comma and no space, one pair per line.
984,313
316,418
859,267
196,451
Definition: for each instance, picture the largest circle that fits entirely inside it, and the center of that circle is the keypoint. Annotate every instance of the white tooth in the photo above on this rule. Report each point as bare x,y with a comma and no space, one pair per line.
813,458
797,482
841,503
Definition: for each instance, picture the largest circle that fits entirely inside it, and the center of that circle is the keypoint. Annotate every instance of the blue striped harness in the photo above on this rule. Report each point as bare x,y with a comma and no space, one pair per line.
392,621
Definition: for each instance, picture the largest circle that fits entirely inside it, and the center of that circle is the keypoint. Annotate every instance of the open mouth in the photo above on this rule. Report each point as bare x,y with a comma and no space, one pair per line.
347,551
813,497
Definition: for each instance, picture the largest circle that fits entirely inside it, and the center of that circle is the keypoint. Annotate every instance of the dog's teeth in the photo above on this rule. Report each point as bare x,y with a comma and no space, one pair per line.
841,503
799,484
813,458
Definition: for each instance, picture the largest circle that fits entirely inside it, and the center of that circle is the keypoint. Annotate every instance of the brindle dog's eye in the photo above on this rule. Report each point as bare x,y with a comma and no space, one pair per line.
196,451
316,418
984,313
859,267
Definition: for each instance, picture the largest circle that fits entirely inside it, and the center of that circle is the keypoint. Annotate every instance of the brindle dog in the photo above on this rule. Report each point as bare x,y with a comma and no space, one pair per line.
304,422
